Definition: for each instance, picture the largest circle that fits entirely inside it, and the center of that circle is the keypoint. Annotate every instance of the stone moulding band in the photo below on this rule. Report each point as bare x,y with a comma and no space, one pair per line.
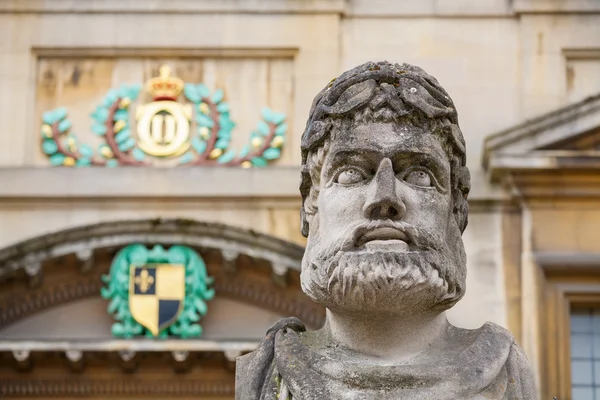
281,254
129,345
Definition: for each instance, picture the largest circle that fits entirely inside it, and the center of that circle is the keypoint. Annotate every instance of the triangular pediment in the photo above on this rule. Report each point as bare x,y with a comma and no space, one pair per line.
569,130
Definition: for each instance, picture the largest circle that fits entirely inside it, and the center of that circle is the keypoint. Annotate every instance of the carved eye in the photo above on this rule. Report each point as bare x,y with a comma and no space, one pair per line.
350,176
418,178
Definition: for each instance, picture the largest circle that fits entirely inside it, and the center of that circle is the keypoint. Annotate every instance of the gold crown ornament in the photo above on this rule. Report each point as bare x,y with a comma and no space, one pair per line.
164,87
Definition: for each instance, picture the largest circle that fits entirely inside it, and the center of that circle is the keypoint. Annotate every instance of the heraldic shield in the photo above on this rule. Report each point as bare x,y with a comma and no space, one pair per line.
156,294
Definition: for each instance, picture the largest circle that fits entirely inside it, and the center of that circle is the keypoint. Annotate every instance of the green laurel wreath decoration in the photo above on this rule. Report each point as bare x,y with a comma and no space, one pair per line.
197,290
214,126
211,133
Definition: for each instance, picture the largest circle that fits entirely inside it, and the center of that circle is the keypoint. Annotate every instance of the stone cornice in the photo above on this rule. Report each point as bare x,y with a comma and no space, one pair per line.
357,8
555,7
552,184
552,127
136,345
105,183
549,160
173,6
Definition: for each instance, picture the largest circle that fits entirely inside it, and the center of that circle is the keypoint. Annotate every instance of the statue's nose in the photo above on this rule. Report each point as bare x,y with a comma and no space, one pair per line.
383,201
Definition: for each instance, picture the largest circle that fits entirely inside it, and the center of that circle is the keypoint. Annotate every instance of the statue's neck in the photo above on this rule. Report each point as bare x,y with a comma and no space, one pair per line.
388,338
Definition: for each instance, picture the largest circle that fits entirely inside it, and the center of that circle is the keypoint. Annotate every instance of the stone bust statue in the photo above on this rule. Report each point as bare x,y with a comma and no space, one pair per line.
384,189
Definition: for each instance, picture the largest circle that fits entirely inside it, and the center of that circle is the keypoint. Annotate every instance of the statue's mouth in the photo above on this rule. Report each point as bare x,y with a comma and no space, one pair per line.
384,238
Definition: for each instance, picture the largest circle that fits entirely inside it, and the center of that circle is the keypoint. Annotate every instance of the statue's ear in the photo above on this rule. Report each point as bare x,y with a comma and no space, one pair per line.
308,220
304,222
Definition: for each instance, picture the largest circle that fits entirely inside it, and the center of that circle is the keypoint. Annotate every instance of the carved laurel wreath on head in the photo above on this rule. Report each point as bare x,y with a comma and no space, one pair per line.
409,92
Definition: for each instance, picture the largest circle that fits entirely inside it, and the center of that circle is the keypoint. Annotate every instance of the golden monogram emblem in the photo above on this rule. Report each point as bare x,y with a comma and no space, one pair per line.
163,126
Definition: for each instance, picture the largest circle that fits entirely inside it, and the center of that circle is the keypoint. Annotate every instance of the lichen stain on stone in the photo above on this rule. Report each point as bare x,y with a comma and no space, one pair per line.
540,43
570,78
75,75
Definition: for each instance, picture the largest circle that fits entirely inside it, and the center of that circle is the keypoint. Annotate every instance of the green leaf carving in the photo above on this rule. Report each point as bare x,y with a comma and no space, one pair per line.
100,114
64,125
112,163
48,117
222,143
121,115
134,91
190,92
83,162
130,91
271,153
204,120
218,96
123,135
244,152
203,91
281,129
263,128
60,113
123,91
223,133
57,159
98,129
226,123
223,107
138,154
49,146
110,98
186,158
199,145
127,144
225,158
278,118
51,117
85,150
267,114
259,162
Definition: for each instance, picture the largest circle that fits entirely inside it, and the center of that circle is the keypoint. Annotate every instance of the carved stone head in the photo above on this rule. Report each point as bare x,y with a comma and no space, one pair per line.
384,190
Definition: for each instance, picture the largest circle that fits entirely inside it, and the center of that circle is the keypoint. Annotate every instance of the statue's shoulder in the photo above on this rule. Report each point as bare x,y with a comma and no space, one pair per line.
501,334
521,381
254,370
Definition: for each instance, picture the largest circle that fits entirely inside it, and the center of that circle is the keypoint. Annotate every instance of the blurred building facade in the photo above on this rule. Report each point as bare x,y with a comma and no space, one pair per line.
524,75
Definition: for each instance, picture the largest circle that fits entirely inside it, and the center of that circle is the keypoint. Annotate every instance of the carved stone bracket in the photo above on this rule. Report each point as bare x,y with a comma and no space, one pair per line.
229,259
23,359
76,360
86,256
33,268
21,355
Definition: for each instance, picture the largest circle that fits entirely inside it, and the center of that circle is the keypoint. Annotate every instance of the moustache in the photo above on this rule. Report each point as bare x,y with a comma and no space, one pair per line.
416,238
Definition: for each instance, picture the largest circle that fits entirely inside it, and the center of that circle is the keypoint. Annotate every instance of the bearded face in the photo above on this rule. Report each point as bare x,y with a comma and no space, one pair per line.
384,238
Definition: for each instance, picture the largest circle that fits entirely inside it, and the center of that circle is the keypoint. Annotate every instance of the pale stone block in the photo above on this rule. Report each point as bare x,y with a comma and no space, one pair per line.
485,299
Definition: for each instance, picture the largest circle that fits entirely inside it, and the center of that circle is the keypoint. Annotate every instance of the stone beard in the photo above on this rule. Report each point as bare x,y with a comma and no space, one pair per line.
340,277
384,204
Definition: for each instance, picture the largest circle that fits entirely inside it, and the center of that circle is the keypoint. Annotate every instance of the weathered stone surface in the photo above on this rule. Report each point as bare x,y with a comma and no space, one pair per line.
384,189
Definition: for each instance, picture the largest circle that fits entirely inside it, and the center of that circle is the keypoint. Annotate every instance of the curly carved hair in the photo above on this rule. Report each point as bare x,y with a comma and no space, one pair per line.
389,93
